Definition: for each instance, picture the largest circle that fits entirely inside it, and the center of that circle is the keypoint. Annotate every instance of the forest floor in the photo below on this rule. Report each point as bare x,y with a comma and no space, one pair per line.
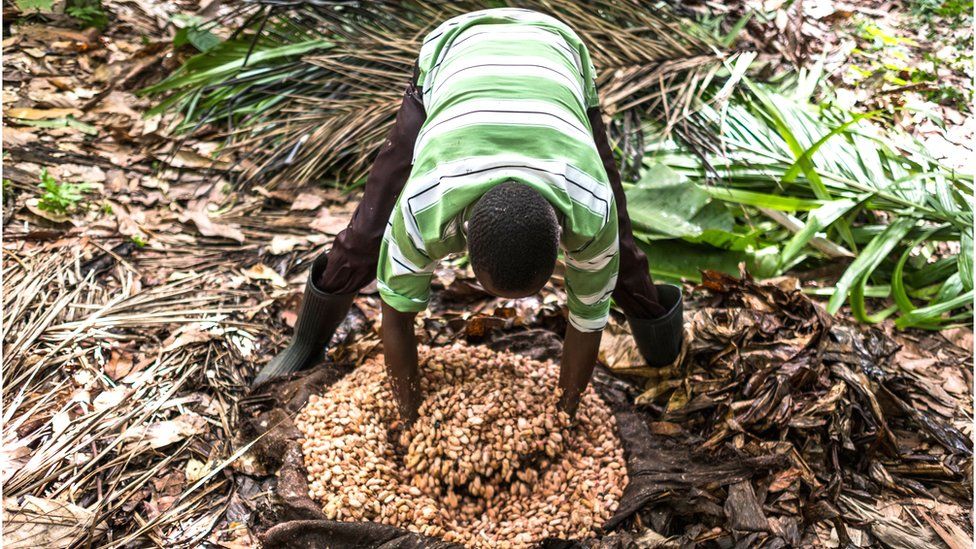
144,287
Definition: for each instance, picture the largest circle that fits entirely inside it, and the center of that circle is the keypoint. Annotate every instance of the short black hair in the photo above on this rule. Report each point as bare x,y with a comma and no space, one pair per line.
513,237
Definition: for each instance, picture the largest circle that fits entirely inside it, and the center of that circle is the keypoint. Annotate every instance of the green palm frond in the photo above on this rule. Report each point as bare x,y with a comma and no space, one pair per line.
819,184
308,89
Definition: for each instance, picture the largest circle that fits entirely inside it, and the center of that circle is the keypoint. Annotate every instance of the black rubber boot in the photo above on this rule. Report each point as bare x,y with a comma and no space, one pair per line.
659,339
320,315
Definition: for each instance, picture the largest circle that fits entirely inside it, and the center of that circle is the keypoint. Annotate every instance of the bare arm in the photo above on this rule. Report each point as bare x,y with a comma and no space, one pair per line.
400,352
580,351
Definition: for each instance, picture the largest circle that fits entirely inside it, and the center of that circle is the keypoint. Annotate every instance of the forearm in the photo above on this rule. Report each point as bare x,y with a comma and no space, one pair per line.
400,352
580,350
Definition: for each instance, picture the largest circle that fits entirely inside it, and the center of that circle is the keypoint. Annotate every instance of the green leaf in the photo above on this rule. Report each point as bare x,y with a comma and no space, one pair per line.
675,260
929,316
202,40
192,33
859,307
898,291
664,204
869,259
933,273
35,6
783,203
739,239
966,259
817,221
733,33
66,122
774,114
807,155
228,59
949,289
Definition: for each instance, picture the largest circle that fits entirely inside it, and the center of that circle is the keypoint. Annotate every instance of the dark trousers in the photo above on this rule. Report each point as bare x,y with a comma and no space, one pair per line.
355,251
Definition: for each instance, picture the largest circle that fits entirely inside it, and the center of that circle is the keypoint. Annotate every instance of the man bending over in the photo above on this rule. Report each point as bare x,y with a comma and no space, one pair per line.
499,149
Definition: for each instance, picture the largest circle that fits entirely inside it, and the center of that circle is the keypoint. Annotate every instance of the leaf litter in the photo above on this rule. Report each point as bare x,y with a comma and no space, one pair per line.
126,415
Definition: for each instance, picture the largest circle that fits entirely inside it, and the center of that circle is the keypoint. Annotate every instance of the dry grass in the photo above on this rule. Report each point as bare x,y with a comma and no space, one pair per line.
118,398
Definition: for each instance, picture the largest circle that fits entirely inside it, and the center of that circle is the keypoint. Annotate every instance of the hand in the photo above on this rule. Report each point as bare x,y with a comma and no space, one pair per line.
580,351
400,354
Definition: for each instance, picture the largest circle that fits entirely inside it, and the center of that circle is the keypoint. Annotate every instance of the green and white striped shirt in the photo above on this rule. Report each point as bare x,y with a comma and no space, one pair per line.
506,93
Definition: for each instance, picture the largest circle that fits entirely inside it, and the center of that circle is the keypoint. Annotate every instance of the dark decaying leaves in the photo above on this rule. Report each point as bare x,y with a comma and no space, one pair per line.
768,373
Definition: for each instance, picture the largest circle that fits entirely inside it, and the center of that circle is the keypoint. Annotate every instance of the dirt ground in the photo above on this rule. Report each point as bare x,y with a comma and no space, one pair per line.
133,324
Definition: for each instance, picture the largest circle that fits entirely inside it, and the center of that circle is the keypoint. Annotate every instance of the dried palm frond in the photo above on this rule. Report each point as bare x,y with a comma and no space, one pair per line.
113,395
306,90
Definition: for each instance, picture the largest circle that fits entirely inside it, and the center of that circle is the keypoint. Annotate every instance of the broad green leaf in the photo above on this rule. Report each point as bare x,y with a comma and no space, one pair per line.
739,239
202,40
35,6
668,205
675,260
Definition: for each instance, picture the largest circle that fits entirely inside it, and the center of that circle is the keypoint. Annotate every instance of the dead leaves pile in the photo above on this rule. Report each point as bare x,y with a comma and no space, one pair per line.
768,373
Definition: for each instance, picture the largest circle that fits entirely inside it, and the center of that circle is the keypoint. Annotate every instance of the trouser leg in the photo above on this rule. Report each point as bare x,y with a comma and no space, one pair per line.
654,311
350,264
355,251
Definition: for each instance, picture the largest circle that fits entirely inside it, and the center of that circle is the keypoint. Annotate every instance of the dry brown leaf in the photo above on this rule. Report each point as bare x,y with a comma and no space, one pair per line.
960,337
784,479
128,224
164,433
307,201
665,428
290,318
43,92
196,470
27,113
32,205
119,365
31,522
110,398
187,335
282,244
189,159
261,271
619,352
209,228
13,456
117,102
328,223
18,137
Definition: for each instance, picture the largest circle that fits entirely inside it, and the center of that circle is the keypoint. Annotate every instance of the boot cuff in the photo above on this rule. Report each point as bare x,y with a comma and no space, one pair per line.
659,339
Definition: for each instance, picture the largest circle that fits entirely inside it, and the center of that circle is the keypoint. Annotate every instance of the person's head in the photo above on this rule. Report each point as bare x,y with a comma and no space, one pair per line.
513,239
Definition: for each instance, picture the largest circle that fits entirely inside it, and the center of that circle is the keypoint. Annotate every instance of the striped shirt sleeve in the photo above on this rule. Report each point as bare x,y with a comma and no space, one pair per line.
404,272
591,276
